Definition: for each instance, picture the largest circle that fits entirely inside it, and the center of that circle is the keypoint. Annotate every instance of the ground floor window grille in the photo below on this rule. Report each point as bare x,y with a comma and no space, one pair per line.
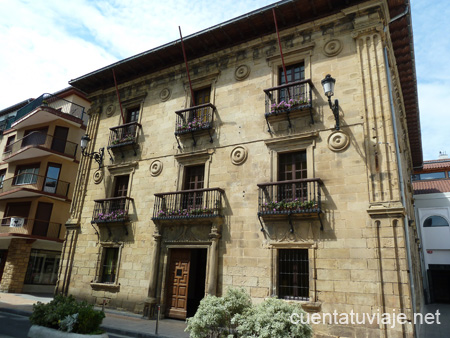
293,274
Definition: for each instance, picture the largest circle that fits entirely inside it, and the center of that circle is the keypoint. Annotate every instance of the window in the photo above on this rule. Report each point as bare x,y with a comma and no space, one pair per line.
435,221
2,177
292,166
27,174
18,210
293,274
51,179
429,176
42,267
201,96
34,137
109,267
9,142
194,177
132,115
294,73
121,186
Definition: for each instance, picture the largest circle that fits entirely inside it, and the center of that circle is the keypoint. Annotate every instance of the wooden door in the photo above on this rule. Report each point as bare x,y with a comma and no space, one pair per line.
202,96
178,283
60,139
42,219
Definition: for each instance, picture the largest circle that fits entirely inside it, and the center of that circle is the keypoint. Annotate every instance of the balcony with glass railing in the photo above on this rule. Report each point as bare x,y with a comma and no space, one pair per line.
33,227
288,100
37,144
32,185
189,204
53,108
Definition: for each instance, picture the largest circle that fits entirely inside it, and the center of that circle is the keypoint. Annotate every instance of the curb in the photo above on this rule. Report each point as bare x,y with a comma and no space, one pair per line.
104,327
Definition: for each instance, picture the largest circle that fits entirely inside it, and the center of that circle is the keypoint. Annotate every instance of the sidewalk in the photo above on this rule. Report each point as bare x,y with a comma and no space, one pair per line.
123,323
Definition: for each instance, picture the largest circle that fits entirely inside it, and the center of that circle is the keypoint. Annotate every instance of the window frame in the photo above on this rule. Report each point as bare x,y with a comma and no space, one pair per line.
281,271
100,262
435,226
307,245
36,165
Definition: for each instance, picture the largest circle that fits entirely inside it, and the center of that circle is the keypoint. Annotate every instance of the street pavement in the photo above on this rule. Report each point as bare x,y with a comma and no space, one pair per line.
118,323
126,324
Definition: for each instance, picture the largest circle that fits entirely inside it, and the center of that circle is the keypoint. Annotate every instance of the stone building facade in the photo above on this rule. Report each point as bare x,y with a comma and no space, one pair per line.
226,185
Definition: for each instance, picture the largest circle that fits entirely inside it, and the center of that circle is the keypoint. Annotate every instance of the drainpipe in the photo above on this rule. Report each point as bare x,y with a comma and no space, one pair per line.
402,186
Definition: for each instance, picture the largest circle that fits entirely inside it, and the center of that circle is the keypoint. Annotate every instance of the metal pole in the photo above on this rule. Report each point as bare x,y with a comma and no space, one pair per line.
118,96
157,319
187,67
281,52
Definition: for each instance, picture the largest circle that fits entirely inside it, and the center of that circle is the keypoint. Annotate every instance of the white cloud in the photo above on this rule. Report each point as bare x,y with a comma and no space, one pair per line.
45,43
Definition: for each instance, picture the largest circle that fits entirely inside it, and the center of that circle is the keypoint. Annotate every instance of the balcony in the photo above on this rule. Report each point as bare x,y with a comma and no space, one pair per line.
52,108
32,185
123,137
298,198
111,210
288,100
34,227
189,204
37,144
195,121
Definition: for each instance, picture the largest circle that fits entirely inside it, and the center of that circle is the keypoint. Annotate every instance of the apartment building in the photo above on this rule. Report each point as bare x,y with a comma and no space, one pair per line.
40,156
253,174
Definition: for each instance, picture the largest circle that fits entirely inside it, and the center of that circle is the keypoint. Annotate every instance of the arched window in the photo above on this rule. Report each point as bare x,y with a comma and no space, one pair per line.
435,221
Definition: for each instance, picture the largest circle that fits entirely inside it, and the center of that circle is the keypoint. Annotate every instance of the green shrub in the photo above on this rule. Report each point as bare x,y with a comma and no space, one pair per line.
271,319
214,315
67,314
233,315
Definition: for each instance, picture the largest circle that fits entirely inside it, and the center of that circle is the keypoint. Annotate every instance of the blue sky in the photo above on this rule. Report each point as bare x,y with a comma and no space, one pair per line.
45,43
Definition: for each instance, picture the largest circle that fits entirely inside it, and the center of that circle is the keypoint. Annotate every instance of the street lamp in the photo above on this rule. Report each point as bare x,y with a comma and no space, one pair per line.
328,87
97,156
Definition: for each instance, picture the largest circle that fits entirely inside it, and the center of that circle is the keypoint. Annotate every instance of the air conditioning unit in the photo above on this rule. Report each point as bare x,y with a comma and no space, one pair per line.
17,222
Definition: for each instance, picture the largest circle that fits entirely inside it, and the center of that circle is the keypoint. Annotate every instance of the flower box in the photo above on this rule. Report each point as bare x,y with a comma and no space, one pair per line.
294,205
191,126
118,215
290,105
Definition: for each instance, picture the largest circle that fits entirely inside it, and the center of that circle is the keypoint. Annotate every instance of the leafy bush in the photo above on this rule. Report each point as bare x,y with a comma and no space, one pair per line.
271,319
67,314
234,315
214,315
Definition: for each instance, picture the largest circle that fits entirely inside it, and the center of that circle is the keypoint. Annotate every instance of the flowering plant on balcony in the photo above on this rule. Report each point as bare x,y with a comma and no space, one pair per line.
112,216
123,139
292,103
287,205
185,212
194,124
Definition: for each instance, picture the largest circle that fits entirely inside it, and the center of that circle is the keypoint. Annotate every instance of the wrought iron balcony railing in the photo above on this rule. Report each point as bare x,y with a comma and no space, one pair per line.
56,103
195,119
289,98
290,197
41,140
185,204
26,226
35,182
111,210
123,135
